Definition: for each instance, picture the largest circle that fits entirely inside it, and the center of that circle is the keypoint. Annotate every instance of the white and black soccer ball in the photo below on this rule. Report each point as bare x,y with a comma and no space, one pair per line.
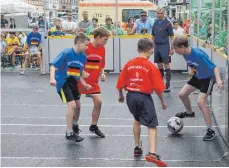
175,125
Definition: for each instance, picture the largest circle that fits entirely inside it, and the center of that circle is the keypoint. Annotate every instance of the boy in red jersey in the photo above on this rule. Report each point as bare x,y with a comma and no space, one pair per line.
93,69
140,78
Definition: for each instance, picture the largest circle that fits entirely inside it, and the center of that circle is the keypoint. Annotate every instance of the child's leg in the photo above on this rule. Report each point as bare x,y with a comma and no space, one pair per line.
97,99
183,94
152,139
77,112
202,103
13,58
70,113
137,132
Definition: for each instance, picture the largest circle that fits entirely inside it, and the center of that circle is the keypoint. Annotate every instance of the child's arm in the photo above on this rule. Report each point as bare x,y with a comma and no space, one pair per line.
218,78
103,76
86,86
163,102
52,75
121,97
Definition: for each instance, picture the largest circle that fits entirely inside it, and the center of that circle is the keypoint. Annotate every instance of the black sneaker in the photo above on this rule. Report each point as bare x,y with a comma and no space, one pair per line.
167,89
95,129
137,151
76,129
74,137
210,135
185,114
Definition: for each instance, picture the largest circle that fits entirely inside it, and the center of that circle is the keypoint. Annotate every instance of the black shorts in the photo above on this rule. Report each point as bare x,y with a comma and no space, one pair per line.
161,53
69,91
142,108
204,85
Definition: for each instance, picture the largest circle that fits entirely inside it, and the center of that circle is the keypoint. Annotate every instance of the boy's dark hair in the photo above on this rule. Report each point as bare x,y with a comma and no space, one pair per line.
80,37
143,12
180,42
144,30
101,31
145,44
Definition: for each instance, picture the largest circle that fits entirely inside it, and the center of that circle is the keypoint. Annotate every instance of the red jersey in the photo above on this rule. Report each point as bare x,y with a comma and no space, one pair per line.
140,75
95,63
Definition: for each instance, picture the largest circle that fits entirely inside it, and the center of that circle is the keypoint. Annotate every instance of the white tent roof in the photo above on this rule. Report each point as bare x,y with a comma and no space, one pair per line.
16,6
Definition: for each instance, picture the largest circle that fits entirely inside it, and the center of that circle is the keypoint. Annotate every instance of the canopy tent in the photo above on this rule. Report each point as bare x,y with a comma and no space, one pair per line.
16,6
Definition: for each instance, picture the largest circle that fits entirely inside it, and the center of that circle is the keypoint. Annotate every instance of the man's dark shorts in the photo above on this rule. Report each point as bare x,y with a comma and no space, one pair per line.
161,53
142,108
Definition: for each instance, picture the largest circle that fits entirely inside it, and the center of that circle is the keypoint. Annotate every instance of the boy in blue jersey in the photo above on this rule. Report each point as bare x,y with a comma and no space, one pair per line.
65,70
204,74
58,31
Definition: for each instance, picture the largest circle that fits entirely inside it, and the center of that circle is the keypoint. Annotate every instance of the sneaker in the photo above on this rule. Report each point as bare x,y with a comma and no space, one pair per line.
76,129
185,114
167,89
137,151
95,129
23,72
152,157
43,73
210,135
74,137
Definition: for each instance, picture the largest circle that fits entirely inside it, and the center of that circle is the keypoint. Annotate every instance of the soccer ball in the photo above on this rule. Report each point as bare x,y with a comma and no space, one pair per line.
175,124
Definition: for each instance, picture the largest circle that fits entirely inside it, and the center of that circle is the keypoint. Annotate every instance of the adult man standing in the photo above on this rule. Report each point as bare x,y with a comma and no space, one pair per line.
85,23
162,30
144,22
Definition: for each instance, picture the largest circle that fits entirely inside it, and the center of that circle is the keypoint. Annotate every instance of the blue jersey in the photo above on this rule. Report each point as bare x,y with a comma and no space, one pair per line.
68,64
199,60
162,29
58,33
33,39
147,24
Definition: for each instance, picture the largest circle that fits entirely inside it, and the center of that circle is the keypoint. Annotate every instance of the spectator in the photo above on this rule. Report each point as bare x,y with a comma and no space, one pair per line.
90,29
3,43
69,26
177,30
22,37
33,48
41,23
144,22
12,23
13,44
120,30
4,22
85,23
108,25
58,31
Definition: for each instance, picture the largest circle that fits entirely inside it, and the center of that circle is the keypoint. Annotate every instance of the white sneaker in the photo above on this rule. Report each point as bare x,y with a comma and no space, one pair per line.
23,72
43,72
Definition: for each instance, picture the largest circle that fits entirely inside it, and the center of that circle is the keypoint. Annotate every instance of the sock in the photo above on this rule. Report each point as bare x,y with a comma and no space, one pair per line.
69,131
209,126
74,122
162,72
168,76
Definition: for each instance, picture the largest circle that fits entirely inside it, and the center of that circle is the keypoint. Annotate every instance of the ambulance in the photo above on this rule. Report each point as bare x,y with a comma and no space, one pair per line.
107,8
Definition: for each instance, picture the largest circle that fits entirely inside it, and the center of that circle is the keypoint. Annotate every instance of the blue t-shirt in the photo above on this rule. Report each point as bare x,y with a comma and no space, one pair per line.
147,24
58,33
33,39
68,64
161,31
199,60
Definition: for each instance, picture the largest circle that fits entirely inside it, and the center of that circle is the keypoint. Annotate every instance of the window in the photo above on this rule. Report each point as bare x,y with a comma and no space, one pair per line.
152,14
127,13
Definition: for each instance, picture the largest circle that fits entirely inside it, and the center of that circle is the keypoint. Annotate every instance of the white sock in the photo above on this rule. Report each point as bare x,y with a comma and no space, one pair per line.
69,131
74,122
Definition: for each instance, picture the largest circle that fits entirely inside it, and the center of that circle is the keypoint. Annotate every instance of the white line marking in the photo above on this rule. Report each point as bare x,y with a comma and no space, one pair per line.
104,159
107,135
86,118
87,105
111,126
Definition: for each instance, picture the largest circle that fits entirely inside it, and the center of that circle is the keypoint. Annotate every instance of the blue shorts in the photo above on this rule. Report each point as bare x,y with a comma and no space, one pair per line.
142,108
161,53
